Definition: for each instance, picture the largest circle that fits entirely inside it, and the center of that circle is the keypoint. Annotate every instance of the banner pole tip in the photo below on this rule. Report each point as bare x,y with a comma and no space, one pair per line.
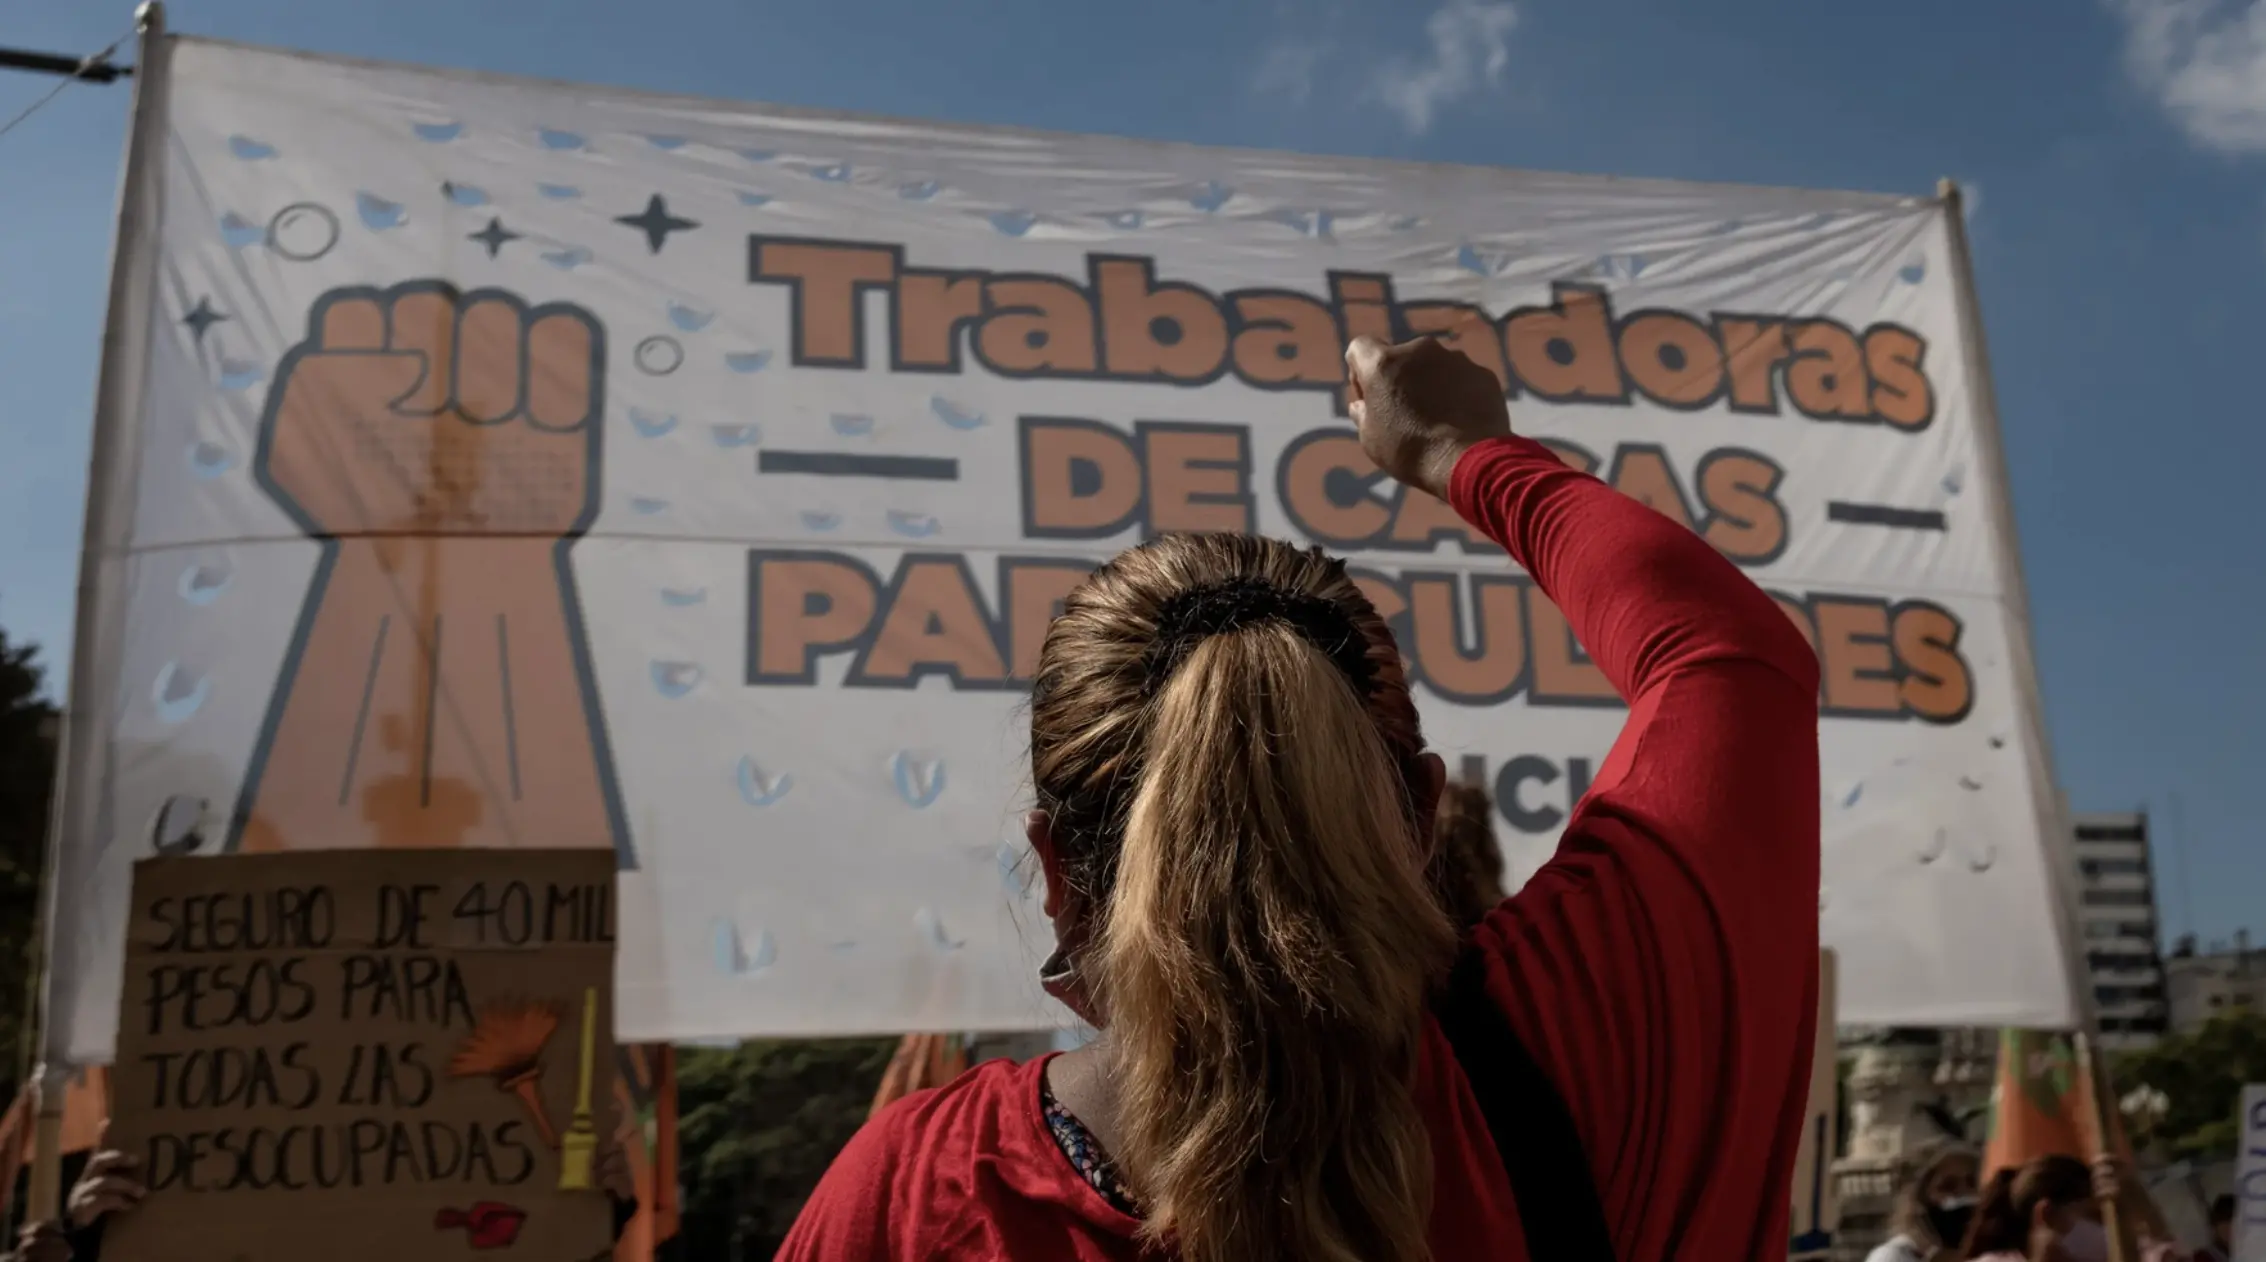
149,16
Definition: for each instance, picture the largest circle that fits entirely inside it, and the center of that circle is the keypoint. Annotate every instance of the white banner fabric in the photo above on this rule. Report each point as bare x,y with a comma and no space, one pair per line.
532,464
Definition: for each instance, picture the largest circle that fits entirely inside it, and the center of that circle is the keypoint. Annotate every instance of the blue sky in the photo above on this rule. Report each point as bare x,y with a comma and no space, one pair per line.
2114,153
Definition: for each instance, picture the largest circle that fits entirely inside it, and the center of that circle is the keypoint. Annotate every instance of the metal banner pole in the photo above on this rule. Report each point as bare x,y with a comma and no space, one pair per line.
124,346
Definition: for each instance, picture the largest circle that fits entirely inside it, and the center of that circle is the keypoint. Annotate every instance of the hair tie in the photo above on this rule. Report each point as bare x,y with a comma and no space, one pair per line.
1199,613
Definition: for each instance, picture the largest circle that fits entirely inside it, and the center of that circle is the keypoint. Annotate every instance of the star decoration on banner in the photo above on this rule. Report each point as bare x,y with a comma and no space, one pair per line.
201,318
657,223
494,236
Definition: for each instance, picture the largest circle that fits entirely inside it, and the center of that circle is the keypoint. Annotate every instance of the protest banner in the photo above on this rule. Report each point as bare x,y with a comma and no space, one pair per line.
367,1054
498,463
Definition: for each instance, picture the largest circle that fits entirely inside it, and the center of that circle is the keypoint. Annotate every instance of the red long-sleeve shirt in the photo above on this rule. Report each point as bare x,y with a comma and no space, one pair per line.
1662,968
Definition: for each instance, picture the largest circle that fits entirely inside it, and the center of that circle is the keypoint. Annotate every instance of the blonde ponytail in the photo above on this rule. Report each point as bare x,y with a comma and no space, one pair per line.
1266,936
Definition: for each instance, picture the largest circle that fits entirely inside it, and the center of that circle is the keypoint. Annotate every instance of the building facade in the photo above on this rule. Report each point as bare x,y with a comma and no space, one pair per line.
2203,985
2116,882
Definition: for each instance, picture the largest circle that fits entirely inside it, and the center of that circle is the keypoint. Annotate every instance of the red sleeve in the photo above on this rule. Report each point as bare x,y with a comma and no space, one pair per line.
1663,966
847,1216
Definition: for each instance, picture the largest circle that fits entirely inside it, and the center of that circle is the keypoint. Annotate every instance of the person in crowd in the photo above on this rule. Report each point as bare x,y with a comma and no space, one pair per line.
2046,1210
1467,864
1933,1209
1296,1058
2222,1246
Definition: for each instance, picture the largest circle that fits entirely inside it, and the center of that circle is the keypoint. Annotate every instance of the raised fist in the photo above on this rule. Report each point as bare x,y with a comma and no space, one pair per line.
1420,406
420,410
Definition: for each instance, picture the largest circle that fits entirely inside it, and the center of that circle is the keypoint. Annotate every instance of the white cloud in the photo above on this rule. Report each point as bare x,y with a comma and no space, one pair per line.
1288,69
2205,61
1470,48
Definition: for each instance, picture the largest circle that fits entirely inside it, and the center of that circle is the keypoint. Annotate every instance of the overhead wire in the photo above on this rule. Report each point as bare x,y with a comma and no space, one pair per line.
44,101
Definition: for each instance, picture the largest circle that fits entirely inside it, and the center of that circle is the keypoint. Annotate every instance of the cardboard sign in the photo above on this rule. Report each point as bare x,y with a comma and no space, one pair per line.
1817,1205
367,1054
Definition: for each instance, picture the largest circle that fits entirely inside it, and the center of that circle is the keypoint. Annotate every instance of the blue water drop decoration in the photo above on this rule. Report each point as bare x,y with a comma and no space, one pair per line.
750,198
648,425
684,597
568,258
178,692
666,144
758,789
1013,223
202,584
210,460
238,374
913,525
731,436
250,150
1307,223
1211,197
690,319
821,522
920,190
238,232
832,173
919,782
437,133
379,214
559,192
930,926
759,155
674,679
559,141
647,506
850,424
953,415
464,194
747,361
732,956
1125,220
1914,271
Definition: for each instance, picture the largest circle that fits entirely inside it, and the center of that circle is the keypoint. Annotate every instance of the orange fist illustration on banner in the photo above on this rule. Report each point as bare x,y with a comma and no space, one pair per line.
444,448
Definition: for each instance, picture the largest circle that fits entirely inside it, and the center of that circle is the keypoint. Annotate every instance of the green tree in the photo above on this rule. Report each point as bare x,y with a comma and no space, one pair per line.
27,775
2201,1075
758,1124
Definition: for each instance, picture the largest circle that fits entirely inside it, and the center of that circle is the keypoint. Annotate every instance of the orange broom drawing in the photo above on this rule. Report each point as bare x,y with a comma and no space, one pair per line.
506,1044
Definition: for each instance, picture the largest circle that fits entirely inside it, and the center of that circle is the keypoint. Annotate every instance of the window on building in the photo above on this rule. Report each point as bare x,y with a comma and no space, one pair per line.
2112,832
2130,994
2114,867
2117,898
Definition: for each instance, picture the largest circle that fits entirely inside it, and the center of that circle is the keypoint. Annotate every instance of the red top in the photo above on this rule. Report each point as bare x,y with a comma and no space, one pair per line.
1662,968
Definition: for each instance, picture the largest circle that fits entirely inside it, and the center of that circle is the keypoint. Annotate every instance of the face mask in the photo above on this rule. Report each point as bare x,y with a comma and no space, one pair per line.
2085,1241
1949,1217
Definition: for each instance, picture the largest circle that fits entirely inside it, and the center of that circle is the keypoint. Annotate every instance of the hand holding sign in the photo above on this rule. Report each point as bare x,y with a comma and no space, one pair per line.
107,1186
1420,406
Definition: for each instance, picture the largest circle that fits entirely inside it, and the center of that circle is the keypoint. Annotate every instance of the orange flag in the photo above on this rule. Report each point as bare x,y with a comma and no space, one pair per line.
922,1061
2043,1104
646,1088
